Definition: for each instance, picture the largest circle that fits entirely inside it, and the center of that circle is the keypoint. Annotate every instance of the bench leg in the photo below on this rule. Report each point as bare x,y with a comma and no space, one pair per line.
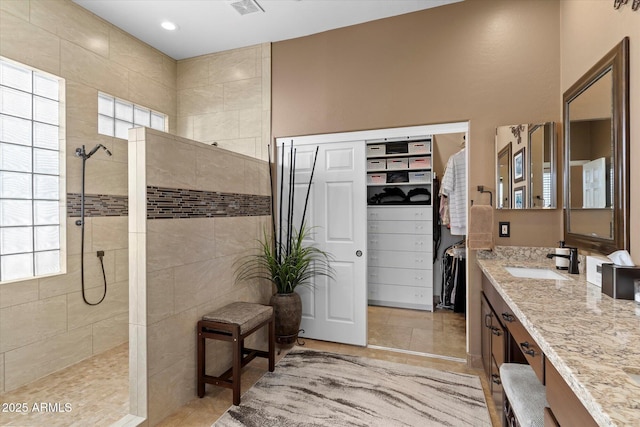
201,363
272,345
237,365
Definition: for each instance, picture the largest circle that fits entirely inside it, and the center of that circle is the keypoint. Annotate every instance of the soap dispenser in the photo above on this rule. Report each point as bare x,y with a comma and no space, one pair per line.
562,263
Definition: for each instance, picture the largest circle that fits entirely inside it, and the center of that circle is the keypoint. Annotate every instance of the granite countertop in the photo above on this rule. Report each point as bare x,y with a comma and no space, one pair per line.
590,338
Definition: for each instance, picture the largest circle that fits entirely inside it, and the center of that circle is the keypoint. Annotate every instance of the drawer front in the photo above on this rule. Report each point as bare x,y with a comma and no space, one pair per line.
400,227
399,213
404,296
497,343
400,276
413,260
526,343
400,242
494,298
496,386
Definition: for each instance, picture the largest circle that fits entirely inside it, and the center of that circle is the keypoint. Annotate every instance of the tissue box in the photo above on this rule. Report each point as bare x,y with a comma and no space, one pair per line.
617,280
594,269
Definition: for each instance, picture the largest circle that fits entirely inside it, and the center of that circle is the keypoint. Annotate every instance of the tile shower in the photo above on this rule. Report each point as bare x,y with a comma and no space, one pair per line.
44,325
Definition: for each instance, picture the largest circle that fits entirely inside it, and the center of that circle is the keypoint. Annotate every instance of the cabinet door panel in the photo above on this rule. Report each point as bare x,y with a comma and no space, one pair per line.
400,296
400,276
399,242
414,260
400,213
400,227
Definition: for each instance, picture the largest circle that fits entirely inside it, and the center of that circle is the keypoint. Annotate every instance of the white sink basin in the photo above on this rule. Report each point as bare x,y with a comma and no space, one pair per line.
535,273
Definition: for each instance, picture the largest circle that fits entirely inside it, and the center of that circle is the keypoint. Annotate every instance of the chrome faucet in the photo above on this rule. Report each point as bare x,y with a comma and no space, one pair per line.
573,259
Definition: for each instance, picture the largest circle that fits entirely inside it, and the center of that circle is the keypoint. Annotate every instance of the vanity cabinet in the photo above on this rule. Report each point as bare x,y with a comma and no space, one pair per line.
565,409
493,350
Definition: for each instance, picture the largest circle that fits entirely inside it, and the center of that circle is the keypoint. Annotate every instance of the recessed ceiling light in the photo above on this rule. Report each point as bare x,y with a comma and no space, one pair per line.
169,26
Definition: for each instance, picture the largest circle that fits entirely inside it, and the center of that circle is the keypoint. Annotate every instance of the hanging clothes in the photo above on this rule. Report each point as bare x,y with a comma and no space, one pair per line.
454,187
454,281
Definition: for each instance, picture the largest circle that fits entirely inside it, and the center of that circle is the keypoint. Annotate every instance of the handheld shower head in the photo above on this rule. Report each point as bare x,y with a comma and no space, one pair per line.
93,151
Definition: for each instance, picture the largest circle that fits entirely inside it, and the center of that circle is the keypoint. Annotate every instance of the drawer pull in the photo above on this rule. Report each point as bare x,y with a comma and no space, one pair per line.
508,317
495,378
526,349
496,331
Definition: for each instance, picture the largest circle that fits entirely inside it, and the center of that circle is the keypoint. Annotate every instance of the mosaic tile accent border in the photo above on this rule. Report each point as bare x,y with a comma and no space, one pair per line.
182,203
97,205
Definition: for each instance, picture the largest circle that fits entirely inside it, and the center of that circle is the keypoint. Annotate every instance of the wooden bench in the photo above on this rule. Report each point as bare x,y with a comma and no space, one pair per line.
233,323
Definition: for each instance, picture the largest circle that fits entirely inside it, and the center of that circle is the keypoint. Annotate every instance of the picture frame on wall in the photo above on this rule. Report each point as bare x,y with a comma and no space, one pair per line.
519,197
518,166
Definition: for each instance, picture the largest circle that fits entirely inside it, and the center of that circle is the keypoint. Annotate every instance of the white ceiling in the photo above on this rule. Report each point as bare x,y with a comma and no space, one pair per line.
208,26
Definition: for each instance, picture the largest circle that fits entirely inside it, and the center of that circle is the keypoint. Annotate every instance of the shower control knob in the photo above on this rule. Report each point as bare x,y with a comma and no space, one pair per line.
358,253
79,222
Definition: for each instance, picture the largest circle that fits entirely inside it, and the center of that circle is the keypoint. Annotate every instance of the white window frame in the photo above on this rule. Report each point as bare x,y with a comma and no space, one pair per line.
14,144
116,116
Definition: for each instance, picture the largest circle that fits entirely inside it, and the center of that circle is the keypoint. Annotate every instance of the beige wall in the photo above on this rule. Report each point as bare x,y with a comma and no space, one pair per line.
183,268
581,47
44,324
476,60
226,98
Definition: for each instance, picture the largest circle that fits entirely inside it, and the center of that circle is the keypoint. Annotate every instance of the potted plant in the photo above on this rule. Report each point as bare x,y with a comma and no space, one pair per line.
284,260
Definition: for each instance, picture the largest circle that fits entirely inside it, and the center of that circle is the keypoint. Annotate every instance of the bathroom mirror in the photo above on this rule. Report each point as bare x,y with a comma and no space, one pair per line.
526,166
596,143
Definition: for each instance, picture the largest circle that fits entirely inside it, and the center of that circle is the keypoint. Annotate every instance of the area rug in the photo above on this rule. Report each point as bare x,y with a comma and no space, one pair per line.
315,388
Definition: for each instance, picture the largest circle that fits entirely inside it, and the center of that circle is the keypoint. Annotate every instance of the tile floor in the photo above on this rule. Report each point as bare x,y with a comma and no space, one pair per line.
98,387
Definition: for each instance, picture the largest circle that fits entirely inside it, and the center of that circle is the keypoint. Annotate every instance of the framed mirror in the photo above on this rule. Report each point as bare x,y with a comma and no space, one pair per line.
596,165
526,166
504,178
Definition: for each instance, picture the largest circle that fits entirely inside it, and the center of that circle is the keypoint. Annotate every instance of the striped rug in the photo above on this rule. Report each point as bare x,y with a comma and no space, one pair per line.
315,388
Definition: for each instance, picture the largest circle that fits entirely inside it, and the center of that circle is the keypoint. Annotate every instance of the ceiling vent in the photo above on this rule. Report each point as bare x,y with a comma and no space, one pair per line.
245,7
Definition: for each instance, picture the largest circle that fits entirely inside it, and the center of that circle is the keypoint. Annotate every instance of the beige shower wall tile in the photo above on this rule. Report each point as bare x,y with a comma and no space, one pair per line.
201,281
109,233
18,293
170,340
200,100
31,362
160,295
74,235
169,163
193,72
218,170
141,58
70,282
81,112
174,242
250,122
234,235
29,44
122,264
171,388
243,94
33,321
72,23
102,176
216,126
109,333
93,70
115,303
257,178
18,8
151,94
266,83
184,127
245,146
237,64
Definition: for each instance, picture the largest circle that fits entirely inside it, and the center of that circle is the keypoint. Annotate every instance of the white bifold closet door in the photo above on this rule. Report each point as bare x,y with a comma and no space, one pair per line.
333,309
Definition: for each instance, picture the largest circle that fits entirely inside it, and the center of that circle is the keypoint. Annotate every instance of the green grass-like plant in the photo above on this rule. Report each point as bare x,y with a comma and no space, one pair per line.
286,265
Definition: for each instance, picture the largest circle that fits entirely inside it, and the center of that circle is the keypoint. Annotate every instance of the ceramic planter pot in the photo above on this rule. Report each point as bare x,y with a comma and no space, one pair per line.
288,309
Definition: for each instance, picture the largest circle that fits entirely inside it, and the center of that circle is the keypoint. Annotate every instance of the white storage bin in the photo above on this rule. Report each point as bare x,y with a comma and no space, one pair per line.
399,163
419,176
376,178
376,150
420,147
373,165
419,162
